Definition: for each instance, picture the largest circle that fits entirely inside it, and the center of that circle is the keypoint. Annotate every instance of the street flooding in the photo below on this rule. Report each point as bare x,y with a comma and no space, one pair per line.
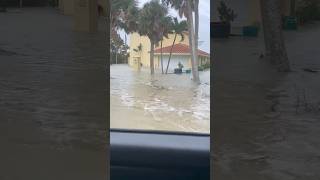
160,102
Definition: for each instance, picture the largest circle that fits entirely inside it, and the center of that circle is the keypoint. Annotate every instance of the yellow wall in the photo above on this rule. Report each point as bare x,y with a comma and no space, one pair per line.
136,39
67,7
85,15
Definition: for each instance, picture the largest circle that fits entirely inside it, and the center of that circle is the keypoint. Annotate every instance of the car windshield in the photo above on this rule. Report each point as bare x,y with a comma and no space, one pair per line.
166,97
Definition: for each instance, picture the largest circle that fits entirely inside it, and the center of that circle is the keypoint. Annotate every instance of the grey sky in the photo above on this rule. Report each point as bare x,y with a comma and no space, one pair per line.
204,23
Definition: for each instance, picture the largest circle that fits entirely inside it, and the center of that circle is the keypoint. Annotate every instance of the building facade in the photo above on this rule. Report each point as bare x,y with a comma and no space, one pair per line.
248,12
84,12
67,7
140,52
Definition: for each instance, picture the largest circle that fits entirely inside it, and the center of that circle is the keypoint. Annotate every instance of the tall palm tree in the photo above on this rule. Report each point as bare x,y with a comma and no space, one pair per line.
123,15
152,17
165,30
186,8
178,29
196,22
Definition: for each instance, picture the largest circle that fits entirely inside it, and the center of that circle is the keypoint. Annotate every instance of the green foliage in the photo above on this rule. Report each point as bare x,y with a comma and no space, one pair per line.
180,6
179,27
204,67
152,20
308,10
226,14
123,15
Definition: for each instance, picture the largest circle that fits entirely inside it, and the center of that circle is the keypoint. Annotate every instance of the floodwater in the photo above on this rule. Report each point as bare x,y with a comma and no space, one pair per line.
267,124
160,102
52,89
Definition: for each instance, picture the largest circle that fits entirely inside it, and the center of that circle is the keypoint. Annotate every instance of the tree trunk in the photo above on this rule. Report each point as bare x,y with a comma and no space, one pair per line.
116,56
273,35
152,57
161,58
174,41
125,43
194,54
196,17
20,3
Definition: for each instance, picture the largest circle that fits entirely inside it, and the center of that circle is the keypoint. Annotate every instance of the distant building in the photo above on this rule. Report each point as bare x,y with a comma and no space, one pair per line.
248,12
85,13
68,7
180,52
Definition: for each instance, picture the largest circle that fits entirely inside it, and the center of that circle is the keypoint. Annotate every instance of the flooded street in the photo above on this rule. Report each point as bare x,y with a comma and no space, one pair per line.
266,123
161,102
52,86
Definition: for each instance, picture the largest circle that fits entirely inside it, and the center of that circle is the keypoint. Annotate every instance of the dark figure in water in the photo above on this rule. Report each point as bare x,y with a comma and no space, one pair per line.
3,6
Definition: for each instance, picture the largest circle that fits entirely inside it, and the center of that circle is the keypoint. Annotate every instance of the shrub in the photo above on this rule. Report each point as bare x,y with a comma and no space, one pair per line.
308,10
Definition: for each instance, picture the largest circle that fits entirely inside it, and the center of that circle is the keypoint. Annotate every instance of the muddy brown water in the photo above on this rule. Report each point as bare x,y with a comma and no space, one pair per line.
52,89
160,102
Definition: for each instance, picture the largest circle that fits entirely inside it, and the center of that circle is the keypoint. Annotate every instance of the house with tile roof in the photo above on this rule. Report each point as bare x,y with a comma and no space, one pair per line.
140,52
180,54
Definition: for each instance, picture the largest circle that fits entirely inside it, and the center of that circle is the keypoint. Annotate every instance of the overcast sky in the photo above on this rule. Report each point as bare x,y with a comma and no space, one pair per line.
204,23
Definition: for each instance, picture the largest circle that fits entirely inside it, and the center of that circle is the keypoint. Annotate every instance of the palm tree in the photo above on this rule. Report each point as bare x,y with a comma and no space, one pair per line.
196,20
178,29
165,30
123,15
185,8
152,18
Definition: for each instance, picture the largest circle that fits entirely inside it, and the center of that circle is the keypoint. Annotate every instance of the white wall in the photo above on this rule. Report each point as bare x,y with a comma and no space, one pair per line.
174,62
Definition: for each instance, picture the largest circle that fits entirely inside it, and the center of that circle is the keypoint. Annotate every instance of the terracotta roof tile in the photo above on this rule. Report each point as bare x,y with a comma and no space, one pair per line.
179,49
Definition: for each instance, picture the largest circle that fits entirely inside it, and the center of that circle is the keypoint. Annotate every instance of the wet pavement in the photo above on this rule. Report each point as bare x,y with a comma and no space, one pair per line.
161,102
266,124
52,89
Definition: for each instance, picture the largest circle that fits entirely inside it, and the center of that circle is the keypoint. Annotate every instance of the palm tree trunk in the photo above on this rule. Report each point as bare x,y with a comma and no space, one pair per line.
125,42
116,56
161,58
196,17
274,40
194,58
174,41
152,57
